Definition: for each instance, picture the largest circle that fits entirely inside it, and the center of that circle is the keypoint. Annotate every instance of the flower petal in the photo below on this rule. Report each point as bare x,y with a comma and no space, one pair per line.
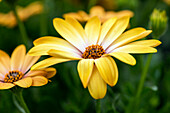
3,70
97,86
108,69
115,31
129,36
50,72
77,27
2,77
5,60
69,33
6,85
39,81
120,13
85,68
84,15
105,28
35,73
151,43
73,15
54,43
97,11
48,62
92,30
135,49
65,54
28,62
124,57
17,58
25,82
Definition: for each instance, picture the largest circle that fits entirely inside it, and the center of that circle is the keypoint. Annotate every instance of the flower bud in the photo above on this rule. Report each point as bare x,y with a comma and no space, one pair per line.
158,23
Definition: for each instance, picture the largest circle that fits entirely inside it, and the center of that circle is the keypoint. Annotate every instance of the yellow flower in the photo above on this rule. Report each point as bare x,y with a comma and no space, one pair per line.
167,2
9,19
94,46
99,12
15,70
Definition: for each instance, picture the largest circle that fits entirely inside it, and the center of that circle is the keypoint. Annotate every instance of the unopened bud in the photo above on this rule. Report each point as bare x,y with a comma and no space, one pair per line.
158,23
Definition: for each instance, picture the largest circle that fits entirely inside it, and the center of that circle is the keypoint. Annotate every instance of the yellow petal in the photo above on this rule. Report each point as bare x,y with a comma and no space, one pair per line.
97,11
124,13
97,86
69,33
39,81
48,62
85,68
5,60
105,28
17,58
28,62
3,70
135,49
84,15
1,77
129,36
108,69
151,43
35,73
64,54
6,85
92,30
53,41
50,72
124,57
73,15
25,82
115,31
77,27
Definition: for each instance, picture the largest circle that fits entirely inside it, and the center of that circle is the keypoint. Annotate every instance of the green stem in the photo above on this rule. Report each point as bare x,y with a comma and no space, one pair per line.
24,36
98,106
143,76
133,106
19,100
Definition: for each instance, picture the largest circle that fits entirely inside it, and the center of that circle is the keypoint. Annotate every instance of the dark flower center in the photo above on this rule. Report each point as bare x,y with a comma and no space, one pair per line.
93,51
13,76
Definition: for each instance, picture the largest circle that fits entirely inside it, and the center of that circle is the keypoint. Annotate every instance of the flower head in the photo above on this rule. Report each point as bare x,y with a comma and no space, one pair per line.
94,46
99,12
9,19
15,70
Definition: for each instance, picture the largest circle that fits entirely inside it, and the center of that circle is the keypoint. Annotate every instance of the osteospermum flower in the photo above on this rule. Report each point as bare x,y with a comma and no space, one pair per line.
15,70
9,19
94,46
99,12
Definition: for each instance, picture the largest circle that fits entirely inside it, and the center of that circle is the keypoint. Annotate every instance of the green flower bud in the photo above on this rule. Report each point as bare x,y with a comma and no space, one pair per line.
158,23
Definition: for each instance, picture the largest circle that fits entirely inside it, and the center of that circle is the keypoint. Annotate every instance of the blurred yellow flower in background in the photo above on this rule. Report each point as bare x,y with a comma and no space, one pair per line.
99,12
167,2
94,46
15,70
9,19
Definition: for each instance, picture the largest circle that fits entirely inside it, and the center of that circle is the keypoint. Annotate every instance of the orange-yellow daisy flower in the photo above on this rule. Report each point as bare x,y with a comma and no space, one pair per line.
94,46
9,19
15,70
99,12
167,2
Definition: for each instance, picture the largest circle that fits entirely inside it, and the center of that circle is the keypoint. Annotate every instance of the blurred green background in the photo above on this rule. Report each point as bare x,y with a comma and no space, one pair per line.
65,94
